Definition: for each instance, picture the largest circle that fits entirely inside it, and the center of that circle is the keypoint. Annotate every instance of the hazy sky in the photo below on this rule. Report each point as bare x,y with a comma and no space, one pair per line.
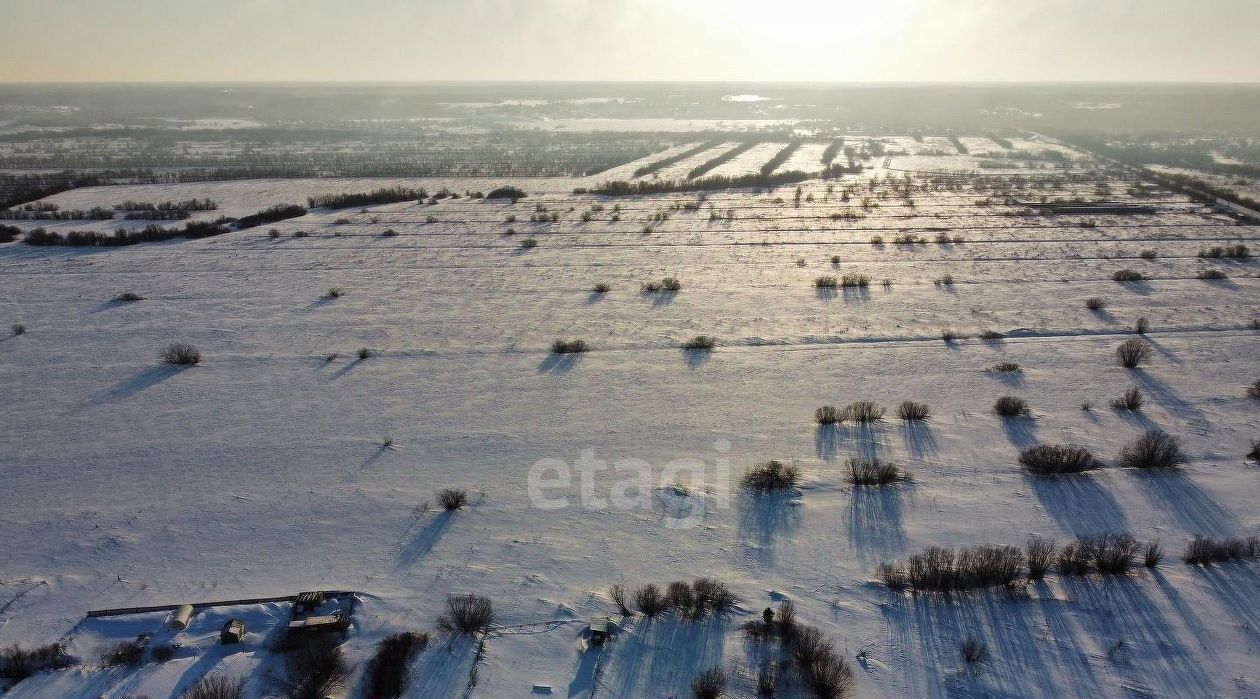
815,40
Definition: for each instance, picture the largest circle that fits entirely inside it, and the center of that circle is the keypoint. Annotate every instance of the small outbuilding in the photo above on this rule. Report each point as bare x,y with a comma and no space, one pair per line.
599,630
307,603
233,632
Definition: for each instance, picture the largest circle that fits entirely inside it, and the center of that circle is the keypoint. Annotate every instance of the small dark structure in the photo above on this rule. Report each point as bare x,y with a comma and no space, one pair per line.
599,630
1094,207
337,622
307,603
233,632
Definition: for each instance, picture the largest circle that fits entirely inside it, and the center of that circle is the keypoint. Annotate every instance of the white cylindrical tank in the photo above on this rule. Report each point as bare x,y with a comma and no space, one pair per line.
179,620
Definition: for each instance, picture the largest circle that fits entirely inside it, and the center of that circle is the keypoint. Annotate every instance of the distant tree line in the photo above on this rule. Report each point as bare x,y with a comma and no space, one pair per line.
663,163
271,214
833,149
384,195
779,158
149,234
620,188
726,157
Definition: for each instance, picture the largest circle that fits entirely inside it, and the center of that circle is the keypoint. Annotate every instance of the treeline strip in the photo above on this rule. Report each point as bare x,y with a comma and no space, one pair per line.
384,195
833,149
149,234
620,188
658,165
271,214
780,157
726,157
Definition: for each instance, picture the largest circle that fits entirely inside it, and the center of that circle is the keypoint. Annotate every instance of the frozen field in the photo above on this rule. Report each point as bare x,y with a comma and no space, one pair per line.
264,469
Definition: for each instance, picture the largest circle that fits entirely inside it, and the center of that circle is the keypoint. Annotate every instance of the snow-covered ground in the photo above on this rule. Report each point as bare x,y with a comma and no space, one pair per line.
263,470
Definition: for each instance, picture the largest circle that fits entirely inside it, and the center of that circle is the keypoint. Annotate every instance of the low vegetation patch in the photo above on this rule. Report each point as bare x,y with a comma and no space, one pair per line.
569,347
388,674
1011,406
180,354
467,614
216,687
874,472
1095,303
1211,274
1155,449
1129,400
513,193
1127,275
700,342
826,281
1132,353
18,663
940,569
772,476
668,284
1047,459
383,195
1007,368
452,498
1240,252
271,214
128,297
910,410
1205,550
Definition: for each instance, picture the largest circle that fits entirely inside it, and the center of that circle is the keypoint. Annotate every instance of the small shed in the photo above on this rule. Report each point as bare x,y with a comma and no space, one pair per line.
326,623
307,603
233,632
599,630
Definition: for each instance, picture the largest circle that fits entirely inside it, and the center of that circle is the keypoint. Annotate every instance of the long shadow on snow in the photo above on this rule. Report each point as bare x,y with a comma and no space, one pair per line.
1171,490
138,383
763,520
1021,431
920,439
1172,401
424,540
876,531
558,363
1080,504
442,670
1159,659
1235,586
660,657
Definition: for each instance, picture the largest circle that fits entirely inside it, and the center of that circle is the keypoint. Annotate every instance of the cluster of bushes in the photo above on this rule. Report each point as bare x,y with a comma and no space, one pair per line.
8,234
149,234
384,195
874,471
692,601
313,667
271,214
1153,449
622,188
569,346
193,204
1239,252
668,284
772,476
825,673
663,163
18,663
1211,274
216,687
1127,275
1047,459
700,342
468,614
95,213
940,569
509,192
1205,550
861,412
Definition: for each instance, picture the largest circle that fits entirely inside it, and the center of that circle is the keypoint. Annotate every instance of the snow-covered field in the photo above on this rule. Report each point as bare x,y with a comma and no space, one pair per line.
264,470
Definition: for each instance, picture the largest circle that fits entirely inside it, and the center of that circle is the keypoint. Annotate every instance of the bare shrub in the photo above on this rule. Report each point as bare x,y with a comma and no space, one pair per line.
128,297
122,653
569,347
910,410
827,415
712,596
973,650
1113,554
19,329
17,663
180,354
467,614
894,576
617,594
862,411
1254,454
874,472
680,597
855,281
1155,449
1141,326
313,670
1074,559
601,288
1095,303
1130,400
649,601
952,335
1127,275
1011,406
218,687
1205,550
388,673
938,569
1211,274
944,280
528,243
1131,353
1153,554
389,233
365,353
668,284
772,476
826,282
1253,391
1007,368
767,682
335,293
709,684
1149,254
991,335
1047,459
700,342
1040,554
452,498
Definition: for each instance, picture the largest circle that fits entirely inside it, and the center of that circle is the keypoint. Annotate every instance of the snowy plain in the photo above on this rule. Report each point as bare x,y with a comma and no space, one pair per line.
264,471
